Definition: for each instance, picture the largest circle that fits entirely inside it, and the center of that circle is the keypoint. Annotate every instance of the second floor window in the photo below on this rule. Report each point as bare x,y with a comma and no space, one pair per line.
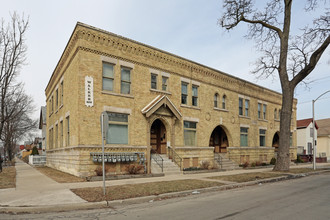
247,107
195,95
107,77
240,106
224,102
259,110
153,81
264,111
164,83
184,93
125,80
216,100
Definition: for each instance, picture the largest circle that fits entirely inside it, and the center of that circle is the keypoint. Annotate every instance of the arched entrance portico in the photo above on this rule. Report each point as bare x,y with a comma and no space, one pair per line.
276,140
219,140
158,137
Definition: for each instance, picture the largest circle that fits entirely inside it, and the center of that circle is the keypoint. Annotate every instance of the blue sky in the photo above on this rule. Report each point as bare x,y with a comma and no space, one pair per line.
185,28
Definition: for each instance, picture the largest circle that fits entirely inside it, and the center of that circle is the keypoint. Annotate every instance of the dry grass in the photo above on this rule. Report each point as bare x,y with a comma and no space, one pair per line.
95,194
8,177
246,177
59,176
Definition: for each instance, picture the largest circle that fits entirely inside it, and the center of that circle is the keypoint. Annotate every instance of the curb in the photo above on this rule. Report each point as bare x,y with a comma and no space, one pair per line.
152,198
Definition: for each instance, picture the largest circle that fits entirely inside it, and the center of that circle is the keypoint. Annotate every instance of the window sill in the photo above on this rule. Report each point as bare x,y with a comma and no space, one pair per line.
191,107
118,94
220,109
278,120
160,91
260,119
243,116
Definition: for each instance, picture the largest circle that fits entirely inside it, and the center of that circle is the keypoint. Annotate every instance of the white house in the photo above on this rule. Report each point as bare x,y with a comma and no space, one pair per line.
305,136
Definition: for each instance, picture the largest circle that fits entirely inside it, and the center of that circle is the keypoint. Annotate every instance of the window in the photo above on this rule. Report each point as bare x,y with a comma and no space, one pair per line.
189,133
240,106
51,138
56,99
216,100
153,81
118,129
52,104
62,93
262,137
224,102
195,95
61,134
56,136
244,137
290,139
108,76
310,148
279,114
164,83
275,114
125,80
264,111
259,110
247,107
68,131
184,93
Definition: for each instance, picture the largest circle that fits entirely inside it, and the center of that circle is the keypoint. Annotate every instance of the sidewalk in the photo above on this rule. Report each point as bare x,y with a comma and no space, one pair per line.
34,189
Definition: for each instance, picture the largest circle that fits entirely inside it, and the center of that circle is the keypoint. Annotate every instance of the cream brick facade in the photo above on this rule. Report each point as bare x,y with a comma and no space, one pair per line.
88,48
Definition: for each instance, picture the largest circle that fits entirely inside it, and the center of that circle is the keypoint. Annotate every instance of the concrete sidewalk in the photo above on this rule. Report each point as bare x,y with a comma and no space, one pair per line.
34,189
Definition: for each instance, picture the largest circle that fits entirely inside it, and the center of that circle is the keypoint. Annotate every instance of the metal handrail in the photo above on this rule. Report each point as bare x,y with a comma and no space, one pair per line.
218,158
174,156
158,159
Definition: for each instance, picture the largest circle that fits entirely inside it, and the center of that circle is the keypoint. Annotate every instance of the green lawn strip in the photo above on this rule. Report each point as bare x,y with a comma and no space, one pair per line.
8,177
59,176
246,177
95,194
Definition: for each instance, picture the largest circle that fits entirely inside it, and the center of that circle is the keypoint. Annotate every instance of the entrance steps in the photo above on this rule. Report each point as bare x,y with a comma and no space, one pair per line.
169,167
225,163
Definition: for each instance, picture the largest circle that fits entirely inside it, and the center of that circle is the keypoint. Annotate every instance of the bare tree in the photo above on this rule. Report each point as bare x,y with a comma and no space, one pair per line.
18,109
12,57
293,57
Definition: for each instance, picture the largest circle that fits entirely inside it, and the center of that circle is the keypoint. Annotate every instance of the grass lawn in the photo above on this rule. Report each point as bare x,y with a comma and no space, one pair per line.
246,177
95,194
8,177
59,176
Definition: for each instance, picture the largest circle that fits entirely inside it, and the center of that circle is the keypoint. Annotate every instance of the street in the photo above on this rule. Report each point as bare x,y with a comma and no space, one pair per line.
304,198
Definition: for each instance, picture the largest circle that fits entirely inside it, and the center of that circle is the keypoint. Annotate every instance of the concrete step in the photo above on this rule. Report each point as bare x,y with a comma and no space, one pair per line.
169,167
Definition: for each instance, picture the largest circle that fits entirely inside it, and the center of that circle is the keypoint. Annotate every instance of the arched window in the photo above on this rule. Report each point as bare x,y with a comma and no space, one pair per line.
224,102
216,100
275,114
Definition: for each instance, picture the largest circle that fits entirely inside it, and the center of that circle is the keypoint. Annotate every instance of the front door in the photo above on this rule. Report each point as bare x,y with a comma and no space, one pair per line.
158,137
219,140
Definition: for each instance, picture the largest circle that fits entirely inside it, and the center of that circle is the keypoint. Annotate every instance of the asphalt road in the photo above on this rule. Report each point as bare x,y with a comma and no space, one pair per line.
304,198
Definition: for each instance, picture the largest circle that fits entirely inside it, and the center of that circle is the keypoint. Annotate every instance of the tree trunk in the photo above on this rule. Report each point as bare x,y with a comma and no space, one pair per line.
283,154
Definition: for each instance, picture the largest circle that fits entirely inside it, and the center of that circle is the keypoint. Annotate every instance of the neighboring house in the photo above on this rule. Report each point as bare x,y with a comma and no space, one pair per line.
43,127
305,136
323,138
157,102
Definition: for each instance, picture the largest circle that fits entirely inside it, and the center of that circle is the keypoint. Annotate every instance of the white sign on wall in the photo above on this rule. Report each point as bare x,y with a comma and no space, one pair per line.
89,97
